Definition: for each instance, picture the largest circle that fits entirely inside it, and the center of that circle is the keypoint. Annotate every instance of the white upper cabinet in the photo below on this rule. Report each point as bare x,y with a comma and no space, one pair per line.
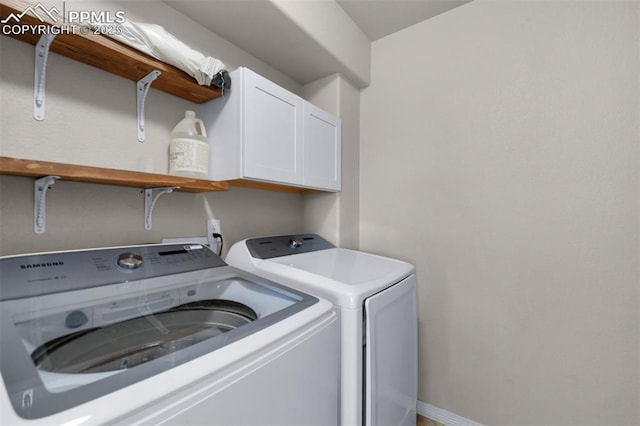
261,131
272,131
321,149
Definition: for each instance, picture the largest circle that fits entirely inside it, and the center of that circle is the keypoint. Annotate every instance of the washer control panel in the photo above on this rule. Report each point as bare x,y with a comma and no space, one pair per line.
46,273
285,245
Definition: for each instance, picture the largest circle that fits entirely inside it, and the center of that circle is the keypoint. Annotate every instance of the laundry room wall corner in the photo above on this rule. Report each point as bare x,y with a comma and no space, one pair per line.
336,215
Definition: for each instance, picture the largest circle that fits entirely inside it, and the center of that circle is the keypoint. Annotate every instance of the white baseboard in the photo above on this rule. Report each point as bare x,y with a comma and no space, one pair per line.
443,416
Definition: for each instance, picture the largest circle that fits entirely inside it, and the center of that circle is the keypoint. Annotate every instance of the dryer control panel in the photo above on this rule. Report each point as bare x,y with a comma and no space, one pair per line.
285,245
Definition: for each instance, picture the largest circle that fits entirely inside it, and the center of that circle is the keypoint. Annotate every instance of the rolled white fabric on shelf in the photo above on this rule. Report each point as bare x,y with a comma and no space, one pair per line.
155,41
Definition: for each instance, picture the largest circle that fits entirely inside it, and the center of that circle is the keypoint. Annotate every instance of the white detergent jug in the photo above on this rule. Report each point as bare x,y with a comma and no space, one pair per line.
189,148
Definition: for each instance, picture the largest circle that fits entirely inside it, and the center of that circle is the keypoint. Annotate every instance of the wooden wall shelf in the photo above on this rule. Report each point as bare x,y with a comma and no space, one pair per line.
103,52
37,169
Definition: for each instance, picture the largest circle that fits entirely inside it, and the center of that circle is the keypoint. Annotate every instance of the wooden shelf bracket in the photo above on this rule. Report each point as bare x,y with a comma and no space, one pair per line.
40,188
143,86
150,202
40,74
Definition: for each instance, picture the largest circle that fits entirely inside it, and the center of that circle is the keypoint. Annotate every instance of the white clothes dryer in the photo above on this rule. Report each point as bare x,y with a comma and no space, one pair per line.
375,298
160,334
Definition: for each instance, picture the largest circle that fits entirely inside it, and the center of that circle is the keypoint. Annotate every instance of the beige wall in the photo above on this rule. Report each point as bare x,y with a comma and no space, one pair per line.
500,154
349,200
91,119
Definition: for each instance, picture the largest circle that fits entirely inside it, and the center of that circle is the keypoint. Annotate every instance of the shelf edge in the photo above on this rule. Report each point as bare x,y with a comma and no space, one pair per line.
105,176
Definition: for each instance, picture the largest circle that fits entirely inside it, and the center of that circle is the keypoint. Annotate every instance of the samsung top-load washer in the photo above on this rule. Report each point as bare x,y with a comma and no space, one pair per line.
160,334
375,297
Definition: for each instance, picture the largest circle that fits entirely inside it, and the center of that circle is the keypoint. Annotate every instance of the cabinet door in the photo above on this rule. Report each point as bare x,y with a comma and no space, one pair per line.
272,127
322,149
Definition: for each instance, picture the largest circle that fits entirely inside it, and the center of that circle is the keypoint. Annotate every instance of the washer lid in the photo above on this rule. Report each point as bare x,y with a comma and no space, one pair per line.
346,277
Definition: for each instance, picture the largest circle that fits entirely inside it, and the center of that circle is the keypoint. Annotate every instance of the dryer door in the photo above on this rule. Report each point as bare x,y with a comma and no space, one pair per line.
391,355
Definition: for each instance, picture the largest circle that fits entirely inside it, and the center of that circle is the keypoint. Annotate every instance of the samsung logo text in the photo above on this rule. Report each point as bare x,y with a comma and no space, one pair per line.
41,265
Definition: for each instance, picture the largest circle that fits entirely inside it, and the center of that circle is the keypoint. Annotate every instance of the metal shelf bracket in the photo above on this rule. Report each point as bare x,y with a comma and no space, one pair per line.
150,202
143,86
40,187
40,75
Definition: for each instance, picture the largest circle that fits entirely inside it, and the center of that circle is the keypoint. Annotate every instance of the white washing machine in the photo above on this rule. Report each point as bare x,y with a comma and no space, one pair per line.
375,297
160,334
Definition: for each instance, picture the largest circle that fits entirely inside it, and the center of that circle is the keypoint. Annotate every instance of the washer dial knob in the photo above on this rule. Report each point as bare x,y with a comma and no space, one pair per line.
130,260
